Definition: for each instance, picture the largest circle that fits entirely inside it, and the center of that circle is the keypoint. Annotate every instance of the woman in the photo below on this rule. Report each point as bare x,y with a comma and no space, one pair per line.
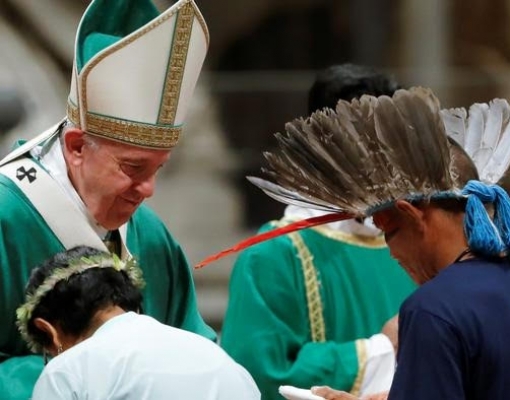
82,309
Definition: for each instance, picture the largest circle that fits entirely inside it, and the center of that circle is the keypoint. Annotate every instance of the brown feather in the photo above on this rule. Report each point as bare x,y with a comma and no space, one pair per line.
361,155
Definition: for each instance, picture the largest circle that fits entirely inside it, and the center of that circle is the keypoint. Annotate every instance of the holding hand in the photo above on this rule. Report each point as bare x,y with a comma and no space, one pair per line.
331,394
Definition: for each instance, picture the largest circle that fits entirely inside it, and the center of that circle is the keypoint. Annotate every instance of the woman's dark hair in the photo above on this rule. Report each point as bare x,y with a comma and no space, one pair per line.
73,302
348,82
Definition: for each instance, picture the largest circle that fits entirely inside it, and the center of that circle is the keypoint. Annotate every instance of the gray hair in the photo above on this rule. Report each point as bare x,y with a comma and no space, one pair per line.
89,139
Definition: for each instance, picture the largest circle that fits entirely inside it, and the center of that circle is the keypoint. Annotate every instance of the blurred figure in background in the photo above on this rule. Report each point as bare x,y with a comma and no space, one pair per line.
12,112
12,109
82,308
84,181
308,308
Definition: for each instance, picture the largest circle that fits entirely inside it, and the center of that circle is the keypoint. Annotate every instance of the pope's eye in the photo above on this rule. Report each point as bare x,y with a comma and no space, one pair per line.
130,169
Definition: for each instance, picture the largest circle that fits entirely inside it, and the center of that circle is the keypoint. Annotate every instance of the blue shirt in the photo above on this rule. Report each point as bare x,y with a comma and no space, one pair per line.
454,335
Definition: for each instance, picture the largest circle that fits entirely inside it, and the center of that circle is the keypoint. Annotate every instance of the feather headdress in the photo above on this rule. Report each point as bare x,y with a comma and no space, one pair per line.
367,153
364,155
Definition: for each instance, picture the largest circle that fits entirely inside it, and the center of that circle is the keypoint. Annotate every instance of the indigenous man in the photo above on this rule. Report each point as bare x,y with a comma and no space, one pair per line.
83,181
311,304
452,237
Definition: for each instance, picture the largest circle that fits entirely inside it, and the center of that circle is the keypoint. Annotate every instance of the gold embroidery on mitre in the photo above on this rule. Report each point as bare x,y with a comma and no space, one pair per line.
136,133
176,65
126,131
73,114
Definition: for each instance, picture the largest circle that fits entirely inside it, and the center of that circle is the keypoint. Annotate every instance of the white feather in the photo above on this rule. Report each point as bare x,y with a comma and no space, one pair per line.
475,129
500,159
455,120
287,196
492,132
486,138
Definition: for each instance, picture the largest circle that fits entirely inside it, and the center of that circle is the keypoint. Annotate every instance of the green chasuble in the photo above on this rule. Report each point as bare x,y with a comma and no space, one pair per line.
286,329
26,240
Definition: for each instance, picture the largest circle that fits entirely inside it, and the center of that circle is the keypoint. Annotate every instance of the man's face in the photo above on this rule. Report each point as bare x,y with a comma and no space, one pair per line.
112,178
404,233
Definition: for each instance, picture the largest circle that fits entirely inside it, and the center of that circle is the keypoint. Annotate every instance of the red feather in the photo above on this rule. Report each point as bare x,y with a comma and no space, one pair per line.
262,237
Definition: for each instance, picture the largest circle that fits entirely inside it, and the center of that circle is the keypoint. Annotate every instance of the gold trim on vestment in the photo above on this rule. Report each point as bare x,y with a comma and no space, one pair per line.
361,351
313,297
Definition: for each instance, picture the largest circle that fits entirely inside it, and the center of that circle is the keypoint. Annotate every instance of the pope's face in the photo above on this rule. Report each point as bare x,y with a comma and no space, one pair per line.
112,178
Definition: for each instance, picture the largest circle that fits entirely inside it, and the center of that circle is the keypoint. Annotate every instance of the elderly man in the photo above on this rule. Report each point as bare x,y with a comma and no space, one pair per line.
453,238
83,182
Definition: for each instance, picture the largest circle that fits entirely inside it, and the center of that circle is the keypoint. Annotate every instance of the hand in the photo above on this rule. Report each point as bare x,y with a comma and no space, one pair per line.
390,329
331,394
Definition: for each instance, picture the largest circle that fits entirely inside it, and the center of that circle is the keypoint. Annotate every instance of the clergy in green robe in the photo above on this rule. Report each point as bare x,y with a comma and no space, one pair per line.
84,181
26,240
307,308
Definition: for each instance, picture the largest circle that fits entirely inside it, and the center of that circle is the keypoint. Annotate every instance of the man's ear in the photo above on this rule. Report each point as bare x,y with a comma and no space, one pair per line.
51,332
414,214
74,144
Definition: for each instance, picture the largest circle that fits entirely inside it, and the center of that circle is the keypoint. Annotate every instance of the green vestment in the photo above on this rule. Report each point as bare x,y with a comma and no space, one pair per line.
26,240
300,306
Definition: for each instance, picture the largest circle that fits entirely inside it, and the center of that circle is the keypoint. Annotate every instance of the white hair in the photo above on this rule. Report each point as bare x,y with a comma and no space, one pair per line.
90,140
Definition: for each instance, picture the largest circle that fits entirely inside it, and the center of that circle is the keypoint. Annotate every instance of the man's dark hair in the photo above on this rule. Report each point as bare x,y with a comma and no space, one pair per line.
73,302
347,82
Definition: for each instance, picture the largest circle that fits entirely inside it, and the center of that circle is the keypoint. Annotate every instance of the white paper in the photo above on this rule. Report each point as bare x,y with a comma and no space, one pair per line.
294,393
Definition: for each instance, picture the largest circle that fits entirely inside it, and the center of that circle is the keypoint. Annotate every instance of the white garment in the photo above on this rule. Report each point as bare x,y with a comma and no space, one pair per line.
135,357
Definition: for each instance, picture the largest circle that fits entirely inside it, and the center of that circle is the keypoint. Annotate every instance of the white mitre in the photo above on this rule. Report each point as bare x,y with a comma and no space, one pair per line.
135,70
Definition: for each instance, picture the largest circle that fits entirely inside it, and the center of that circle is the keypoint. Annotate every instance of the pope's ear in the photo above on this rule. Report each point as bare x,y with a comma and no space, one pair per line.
74,144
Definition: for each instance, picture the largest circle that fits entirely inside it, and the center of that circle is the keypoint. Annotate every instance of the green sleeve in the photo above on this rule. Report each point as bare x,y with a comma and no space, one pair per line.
266,328
169,295
18,376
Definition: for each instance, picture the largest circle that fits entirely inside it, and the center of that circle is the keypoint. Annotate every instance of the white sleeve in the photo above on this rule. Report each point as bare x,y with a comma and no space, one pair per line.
236,383
55,385
380,365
